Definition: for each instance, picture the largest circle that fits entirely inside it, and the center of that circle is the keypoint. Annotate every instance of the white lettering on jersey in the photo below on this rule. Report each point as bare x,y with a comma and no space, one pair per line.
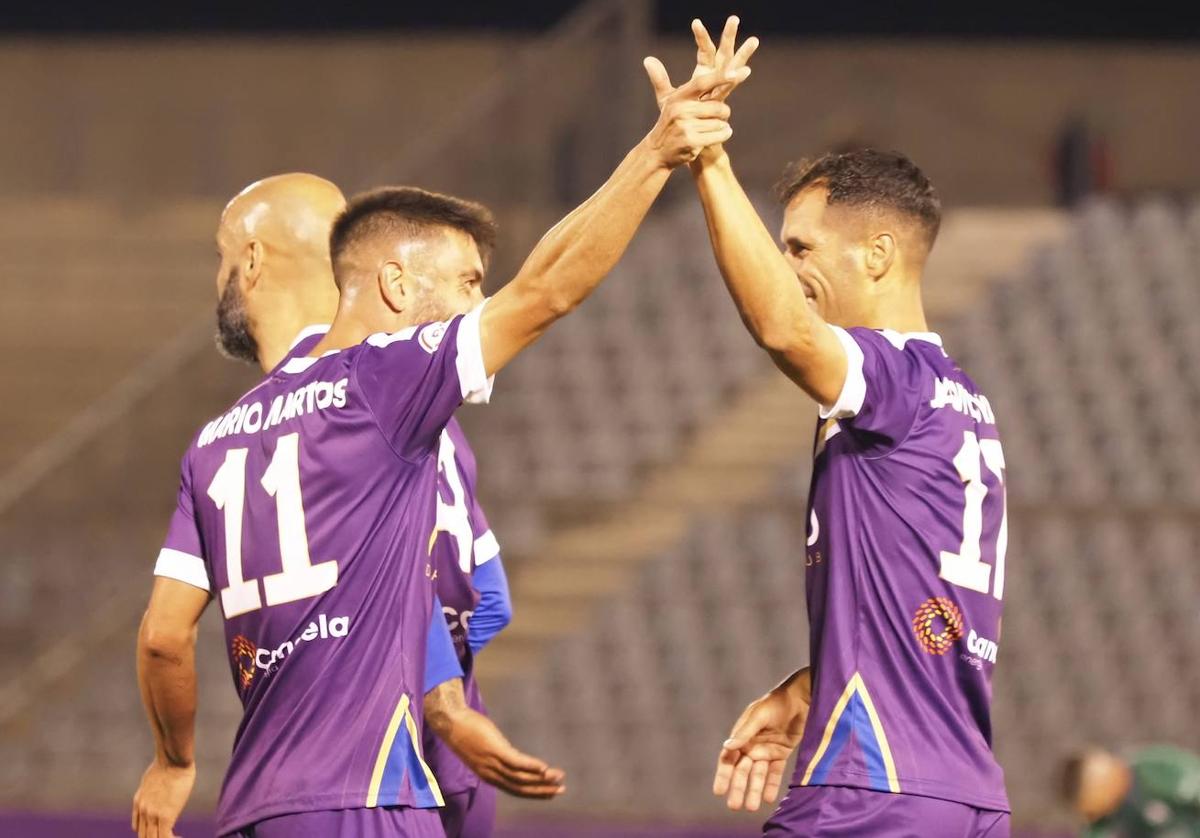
248,419
949,393
981,646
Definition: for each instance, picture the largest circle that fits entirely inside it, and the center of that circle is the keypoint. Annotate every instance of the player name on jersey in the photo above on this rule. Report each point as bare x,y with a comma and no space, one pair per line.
249,418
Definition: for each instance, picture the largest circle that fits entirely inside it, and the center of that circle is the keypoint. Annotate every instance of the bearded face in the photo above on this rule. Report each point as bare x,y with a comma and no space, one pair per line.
234,337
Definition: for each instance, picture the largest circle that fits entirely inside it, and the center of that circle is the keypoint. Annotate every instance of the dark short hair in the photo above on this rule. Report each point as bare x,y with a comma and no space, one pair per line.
410,212
868,178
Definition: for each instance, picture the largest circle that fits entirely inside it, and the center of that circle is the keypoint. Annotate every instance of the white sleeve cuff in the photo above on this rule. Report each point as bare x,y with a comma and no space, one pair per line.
184,567
472,377
486,548
854,388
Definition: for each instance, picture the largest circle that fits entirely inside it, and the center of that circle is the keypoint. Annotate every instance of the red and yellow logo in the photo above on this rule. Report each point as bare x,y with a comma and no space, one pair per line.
938,624
243,652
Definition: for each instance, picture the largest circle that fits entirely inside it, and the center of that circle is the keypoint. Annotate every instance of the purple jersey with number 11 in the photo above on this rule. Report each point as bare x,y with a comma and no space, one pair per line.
905,575
307,509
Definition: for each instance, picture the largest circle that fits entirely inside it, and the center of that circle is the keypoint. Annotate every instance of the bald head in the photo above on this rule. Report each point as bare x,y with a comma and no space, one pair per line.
292,212
275,276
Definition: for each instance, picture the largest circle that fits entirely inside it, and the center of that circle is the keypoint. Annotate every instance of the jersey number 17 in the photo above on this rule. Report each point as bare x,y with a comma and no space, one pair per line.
966,568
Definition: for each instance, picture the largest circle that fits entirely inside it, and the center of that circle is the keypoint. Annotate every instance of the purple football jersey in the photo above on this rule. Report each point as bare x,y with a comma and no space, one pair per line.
308,508
907,533
464,542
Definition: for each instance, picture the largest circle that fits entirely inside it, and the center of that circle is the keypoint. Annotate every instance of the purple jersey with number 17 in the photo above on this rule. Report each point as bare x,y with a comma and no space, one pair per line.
308,509
905,575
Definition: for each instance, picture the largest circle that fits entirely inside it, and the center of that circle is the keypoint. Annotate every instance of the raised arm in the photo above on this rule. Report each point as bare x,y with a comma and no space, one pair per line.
766,291
578,252
166,659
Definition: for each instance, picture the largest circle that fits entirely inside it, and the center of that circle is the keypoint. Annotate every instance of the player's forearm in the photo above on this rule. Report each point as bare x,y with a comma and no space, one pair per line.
167,679
574,256
765,290
443,704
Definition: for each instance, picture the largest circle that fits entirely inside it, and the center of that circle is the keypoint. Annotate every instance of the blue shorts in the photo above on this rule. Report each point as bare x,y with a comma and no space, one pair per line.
836,811
470,814
386,822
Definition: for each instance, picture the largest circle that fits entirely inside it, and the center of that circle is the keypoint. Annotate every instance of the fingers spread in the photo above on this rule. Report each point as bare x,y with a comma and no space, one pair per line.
705,48
744,52
728,38
660,80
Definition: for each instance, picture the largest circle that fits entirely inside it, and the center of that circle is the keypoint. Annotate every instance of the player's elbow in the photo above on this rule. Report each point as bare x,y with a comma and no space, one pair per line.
163,639
778,336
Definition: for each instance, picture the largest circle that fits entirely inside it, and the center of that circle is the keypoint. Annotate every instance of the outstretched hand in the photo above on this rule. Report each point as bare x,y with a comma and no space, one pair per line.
753,759
689,120
710,58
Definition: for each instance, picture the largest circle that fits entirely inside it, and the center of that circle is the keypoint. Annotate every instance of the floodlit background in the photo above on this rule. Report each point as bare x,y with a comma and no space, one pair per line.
644,466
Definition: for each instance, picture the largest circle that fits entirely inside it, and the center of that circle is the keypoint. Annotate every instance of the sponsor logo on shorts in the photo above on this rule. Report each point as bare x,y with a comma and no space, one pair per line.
938,624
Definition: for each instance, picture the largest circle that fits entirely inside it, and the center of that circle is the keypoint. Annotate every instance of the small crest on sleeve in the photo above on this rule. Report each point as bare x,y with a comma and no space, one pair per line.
431,336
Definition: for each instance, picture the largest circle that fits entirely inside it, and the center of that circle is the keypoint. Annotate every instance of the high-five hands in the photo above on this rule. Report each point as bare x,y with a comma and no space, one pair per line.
694,115
752,760
710,59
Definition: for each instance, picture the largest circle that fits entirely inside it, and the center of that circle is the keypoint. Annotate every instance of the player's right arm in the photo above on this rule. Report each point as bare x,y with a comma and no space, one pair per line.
763,286
166,668
579,251
768,296
485,750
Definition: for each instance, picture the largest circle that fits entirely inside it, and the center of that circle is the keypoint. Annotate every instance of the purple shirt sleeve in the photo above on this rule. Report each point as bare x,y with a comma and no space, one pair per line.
181,557
414,380
882,391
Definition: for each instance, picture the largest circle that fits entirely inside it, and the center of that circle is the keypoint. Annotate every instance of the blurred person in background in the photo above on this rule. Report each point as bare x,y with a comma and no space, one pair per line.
1150,793
907,523
286,297
328,744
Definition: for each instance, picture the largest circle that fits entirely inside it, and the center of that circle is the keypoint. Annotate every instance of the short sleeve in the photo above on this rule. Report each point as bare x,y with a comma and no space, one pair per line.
181,556
486,546
883,387
414,380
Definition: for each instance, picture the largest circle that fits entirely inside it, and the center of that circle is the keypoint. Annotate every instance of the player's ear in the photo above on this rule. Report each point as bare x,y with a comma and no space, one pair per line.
252,262
392,285
881,252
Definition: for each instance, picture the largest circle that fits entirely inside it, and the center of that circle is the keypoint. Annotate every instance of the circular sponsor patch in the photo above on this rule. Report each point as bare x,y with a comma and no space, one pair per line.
938,624
243,652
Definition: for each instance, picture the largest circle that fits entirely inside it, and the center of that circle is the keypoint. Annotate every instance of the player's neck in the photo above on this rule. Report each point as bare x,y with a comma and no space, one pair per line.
902,312
288,320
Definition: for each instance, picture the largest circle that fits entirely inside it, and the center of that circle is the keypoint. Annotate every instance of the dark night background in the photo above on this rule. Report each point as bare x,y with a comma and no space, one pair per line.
1125,21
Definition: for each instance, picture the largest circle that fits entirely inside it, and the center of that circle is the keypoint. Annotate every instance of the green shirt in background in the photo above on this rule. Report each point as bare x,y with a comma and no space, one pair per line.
1164,801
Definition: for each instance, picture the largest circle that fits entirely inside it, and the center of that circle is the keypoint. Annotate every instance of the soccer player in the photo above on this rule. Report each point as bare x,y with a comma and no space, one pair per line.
306,508
289,303
1152,791
906,522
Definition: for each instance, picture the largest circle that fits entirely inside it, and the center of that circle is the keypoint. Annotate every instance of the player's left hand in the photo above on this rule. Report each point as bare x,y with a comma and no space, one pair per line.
752,760
710,58
160,799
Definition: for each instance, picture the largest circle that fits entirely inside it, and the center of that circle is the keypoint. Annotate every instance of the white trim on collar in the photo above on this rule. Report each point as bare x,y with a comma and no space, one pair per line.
898,339
307,332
